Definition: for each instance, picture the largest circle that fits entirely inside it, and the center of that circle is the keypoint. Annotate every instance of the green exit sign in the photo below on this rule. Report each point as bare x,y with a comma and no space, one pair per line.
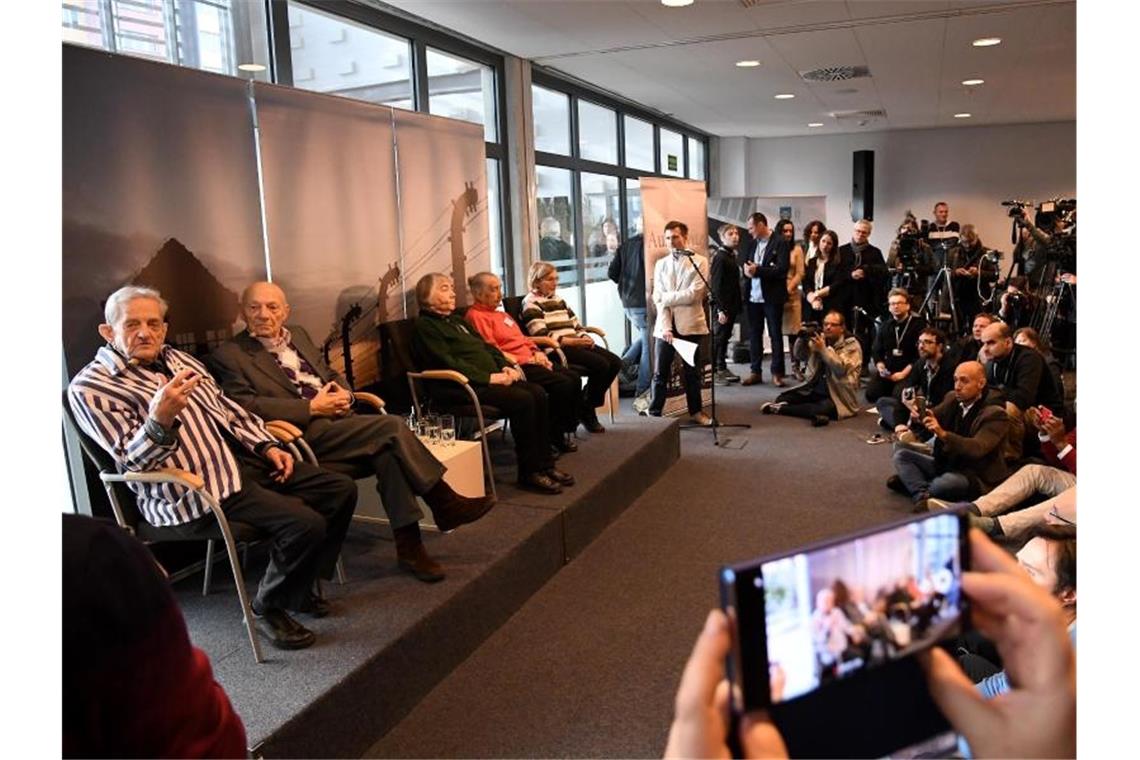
671,162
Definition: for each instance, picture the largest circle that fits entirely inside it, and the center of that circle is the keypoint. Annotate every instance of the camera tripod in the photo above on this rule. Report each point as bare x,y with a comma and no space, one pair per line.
940,288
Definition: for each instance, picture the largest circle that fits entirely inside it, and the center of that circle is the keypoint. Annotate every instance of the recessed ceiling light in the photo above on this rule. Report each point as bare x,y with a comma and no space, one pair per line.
784,96
676,3
973,82
816,124
987,41
250,67
962,115
747,64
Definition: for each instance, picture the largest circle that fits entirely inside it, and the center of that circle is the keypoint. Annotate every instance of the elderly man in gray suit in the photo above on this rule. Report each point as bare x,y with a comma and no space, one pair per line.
277,373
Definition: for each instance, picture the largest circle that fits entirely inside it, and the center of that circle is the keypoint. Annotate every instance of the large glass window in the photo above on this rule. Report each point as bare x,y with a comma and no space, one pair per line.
551,120
462,89
672,154
696,158
633,218
331,54
495,218
638,144
597,133
212,35
555,207
601,215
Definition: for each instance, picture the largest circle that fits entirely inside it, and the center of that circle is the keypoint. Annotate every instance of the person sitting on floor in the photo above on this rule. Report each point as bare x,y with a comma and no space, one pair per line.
152,407
1020,374
1050,560
443,340
276,372
895,347
1027,336
544,313
968,429
931,376
966,349
834,360
563,385
1057,479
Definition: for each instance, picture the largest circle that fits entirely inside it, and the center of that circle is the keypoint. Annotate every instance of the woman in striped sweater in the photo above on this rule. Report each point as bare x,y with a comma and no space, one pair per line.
544,313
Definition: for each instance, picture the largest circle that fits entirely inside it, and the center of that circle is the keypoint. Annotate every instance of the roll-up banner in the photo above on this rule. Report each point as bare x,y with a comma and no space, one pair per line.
683,200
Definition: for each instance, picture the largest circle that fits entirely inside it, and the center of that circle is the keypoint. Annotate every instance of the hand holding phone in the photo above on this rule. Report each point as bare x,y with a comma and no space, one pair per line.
820,631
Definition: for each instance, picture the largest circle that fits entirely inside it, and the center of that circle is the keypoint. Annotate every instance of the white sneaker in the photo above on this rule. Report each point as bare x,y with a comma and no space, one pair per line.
641,403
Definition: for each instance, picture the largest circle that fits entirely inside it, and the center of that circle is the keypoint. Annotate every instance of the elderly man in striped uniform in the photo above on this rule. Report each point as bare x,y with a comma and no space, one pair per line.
151,406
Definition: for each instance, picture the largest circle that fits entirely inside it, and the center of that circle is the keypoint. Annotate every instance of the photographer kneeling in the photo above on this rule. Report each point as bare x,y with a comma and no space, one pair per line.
834,359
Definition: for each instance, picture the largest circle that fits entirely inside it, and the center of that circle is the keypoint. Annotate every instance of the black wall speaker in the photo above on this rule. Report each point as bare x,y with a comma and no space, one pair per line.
863,185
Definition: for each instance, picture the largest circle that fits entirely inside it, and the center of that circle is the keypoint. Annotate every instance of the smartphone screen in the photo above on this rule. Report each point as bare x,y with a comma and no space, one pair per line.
824,635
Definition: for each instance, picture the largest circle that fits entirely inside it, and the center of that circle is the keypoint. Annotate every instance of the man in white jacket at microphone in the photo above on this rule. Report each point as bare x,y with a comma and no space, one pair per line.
679,296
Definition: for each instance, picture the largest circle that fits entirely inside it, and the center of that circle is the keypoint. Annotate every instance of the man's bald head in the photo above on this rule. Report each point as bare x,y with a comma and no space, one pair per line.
264,308
997,340
969,382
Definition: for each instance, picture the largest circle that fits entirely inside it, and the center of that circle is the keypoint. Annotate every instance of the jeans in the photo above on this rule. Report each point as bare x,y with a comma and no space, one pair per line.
639,350
773,315
922,479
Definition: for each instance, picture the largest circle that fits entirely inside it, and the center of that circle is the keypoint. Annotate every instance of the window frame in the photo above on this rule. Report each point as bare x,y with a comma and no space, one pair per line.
421,38
551,80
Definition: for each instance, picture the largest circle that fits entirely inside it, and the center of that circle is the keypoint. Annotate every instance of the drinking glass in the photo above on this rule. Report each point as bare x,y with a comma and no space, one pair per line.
422,429
433,429
447,429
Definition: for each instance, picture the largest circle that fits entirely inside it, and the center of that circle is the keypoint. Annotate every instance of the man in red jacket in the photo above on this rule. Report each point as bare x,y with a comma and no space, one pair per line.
562,385
1056,480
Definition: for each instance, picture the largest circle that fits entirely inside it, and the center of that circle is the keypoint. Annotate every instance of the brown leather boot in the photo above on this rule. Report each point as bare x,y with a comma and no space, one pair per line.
452,510
413,557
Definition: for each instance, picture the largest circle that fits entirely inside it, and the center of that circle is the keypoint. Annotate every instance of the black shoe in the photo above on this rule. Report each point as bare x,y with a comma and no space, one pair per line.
895,483
566,445
539,482
283,631
559,477
590,422
315,606
820,420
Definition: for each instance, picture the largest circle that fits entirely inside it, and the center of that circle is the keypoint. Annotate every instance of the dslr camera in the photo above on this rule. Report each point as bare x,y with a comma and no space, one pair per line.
809,330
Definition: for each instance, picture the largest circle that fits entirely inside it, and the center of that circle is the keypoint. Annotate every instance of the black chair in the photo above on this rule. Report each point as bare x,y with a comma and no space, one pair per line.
129,518
447,390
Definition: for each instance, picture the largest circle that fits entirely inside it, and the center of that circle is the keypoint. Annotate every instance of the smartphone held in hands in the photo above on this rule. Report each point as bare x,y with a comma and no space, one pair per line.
824,637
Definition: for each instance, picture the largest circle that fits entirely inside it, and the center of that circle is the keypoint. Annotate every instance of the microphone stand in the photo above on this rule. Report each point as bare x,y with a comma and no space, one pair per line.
712,306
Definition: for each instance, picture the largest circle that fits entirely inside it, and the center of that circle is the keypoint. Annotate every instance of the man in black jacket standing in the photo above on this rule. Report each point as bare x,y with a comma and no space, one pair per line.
868,275
627,269
767,266
725,278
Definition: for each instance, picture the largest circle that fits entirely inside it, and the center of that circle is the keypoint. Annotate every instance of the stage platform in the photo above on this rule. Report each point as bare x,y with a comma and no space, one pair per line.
391,638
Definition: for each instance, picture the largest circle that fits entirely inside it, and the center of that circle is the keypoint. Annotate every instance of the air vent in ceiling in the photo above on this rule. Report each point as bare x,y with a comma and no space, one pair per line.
835,74
752,3
856,115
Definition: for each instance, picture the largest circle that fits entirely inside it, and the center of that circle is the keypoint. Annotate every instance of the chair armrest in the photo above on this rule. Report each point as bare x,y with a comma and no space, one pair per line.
286,432
371,399
594,330
544,341
165,475
441,374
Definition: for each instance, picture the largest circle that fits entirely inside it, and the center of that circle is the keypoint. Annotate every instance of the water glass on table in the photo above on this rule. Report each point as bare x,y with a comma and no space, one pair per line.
433,430
447,429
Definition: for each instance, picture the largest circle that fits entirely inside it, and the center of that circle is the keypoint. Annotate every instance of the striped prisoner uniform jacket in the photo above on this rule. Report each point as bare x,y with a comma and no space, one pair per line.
111,399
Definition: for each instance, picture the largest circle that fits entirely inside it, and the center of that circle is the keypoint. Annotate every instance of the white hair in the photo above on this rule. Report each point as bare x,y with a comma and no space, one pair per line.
117,301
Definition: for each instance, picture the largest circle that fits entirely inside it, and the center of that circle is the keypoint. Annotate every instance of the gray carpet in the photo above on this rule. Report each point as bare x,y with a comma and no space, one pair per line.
589,665
391,638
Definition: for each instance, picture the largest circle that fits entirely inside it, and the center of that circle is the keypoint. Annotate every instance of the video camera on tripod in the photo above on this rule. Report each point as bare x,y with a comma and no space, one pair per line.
1057,216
